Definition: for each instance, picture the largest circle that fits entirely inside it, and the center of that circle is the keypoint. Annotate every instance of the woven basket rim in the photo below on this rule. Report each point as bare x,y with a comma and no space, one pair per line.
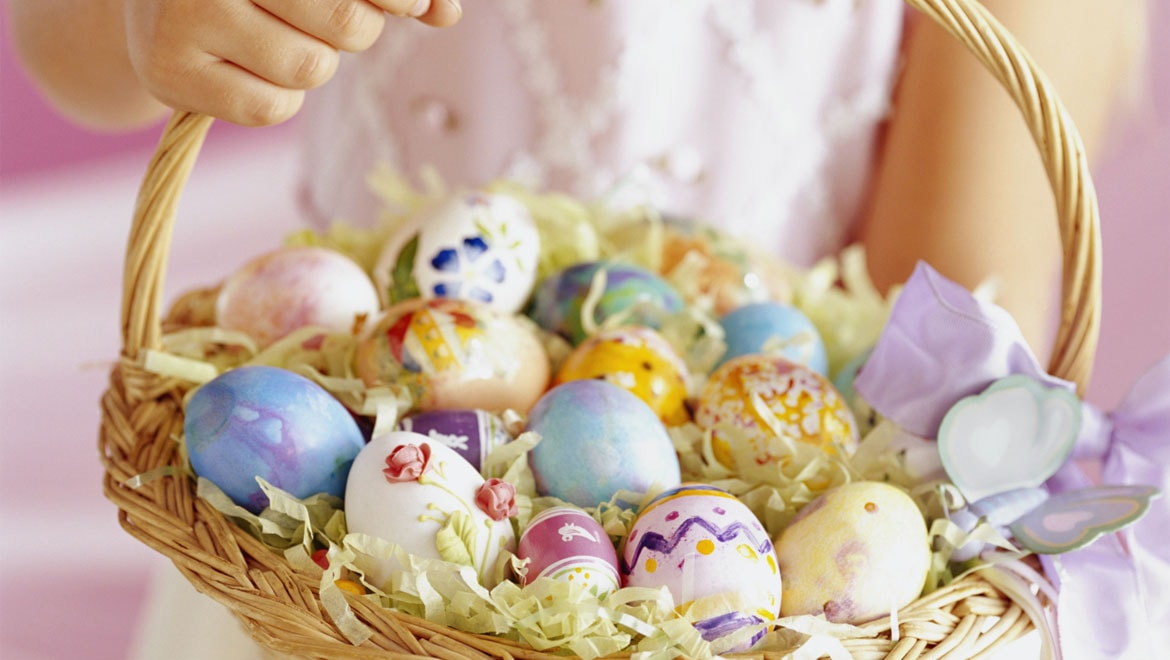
280,608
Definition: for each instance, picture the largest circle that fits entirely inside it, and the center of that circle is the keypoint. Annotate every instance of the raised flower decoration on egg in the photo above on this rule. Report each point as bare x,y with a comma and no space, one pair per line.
427,499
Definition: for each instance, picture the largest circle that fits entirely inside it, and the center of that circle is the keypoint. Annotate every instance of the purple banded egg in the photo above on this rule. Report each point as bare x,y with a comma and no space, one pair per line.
716,559
472,433
565,543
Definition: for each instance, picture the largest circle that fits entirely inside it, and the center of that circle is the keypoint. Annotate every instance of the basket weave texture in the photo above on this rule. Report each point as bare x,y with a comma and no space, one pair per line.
280,608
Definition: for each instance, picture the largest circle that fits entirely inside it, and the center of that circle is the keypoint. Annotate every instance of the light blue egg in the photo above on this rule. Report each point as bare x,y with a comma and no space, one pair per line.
747,329
597,439
272,423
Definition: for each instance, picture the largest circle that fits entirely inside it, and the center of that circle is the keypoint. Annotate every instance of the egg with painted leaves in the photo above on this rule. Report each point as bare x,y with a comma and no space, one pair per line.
259,421
565,543
471,246
716,559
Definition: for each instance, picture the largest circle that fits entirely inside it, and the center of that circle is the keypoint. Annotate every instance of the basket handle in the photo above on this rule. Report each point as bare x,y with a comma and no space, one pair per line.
1060,146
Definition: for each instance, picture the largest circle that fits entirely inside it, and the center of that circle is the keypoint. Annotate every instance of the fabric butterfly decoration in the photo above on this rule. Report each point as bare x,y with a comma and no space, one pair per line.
1000,447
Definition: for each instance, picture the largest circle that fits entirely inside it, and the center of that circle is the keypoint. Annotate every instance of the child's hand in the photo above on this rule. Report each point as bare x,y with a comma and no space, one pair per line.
250,61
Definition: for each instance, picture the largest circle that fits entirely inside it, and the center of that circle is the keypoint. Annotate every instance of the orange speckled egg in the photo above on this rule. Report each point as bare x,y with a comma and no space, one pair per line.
455,354
635,358
803,403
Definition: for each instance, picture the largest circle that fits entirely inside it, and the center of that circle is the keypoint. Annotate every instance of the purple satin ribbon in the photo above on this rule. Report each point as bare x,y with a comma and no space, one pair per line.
942,344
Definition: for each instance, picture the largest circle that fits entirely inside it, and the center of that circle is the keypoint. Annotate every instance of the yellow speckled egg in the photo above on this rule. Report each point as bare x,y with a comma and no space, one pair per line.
803,403
455,354
635,358
854,554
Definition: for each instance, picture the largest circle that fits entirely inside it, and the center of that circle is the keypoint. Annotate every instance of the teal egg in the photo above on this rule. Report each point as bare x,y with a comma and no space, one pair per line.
557,304
749,328
597,439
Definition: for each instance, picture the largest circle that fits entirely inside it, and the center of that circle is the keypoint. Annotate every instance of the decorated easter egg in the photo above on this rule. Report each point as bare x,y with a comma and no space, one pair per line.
800,403
708,264
716,559
854,554
565,543
472,246
776,329
598,439
455,354
266,422
427,499
557,305
635,358
472,433
294,287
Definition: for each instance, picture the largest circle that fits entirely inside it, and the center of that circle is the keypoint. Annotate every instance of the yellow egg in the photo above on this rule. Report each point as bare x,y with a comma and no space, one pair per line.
854,554
637,359
800,402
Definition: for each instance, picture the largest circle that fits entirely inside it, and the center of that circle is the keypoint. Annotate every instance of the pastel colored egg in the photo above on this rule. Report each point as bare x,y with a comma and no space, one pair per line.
558,301
294,287
473,434
267,422
854,554
774,328
427,504
565,543
635,358
716,559
598,439
473,246
802,403
723,271
456,354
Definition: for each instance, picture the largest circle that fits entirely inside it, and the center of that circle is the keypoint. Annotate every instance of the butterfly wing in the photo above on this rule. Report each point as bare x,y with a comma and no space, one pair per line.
1015,434
1069,521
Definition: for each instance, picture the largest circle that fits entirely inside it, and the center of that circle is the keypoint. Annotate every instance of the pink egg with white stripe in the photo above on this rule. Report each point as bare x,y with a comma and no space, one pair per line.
565,543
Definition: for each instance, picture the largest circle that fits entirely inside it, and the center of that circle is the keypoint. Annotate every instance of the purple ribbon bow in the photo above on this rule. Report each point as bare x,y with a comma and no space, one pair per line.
940,345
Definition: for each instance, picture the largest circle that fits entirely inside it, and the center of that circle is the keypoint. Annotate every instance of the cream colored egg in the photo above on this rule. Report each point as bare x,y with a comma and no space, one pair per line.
854,554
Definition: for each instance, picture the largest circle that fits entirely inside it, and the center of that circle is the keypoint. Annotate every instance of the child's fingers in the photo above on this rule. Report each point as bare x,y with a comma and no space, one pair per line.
350,25
280,54
437,13
222,89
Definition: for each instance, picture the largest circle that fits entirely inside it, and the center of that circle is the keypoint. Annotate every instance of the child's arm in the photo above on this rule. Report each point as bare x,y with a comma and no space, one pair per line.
115,63
961,183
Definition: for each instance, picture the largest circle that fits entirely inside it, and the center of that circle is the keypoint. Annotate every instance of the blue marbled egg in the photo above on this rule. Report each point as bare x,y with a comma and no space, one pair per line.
597,439
749,328
557,304
267,422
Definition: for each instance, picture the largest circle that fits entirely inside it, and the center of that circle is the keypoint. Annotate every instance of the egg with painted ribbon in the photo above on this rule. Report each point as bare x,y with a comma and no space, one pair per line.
714,556
472,433
472,246
455,354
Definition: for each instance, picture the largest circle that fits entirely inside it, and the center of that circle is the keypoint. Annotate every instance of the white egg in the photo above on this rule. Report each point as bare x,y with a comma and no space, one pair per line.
474,246
408,502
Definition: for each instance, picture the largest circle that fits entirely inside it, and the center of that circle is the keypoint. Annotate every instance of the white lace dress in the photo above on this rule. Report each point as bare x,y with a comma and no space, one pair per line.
758,116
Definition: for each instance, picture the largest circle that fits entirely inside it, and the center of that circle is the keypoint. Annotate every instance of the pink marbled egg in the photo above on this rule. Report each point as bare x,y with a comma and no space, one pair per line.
565,543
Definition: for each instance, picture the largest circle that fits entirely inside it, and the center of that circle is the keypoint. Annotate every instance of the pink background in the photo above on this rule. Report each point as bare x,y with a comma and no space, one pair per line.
71,582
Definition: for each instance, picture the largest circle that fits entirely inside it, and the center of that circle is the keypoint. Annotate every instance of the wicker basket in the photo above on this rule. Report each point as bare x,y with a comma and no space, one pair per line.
280,607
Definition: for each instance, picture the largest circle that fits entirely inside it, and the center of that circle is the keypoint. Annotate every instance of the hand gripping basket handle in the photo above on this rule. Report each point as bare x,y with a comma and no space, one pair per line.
1052,129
